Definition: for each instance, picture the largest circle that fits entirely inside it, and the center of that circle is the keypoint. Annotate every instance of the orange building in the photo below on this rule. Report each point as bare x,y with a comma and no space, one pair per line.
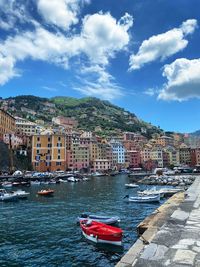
7,124
49,152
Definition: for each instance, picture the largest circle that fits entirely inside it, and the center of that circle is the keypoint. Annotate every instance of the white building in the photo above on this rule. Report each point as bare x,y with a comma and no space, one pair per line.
118,151
24,126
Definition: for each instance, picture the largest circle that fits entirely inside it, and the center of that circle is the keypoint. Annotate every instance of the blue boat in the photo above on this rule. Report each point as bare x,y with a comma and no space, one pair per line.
99,218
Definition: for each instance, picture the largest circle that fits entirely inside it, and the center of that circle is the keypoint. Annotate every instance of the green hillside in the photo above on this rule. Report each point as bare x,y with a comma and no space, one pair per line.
89,112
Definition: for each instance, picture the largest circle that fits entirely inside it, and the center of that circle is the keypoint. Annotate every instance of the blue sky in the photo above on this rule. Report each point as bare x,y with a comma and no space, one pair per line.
139,54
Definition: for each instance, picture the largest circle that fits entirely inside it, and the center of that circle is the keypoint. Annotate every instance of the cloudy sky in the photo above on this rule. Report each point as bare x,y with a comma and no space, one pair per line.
143,55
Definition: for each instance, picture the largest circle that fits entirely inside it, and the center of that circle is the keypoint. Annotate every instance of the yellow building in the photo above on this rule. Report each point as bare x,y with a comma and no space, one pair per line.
165,141
7,123
49,152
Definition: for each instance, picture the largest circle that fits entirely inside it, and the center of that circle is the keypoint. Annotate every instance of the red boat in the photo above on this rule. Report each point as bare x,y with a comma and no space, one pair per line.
98,232
45,192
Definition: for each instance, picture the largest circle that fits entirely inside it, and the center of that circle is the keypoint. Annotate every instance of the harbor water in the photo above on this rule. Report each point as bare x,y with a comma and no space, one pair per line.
42,231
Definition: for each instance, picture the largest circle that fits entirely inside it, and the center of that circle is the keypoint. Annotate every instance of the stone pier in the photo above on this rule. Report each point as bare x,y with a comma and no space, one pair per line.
173,239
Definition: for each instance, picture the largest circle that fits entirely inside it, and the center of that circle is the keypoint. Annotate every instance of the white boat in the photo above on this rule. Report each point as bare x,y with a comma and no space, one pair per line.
35,182
21,194
131,185
162,191
144,199
52,181
97,174
44,182
5,196
7,184
62,181
85,179
73,179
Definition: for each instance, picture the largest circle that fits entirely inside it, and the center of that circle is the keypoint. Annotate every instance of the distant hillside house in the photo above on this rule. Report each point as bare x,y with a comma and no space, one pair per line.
24,126
65,121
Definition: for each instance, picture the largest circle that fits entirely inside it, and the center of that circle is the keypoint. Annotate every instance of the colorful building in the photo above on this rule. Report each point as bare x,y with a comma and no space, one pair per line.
49,152
7,124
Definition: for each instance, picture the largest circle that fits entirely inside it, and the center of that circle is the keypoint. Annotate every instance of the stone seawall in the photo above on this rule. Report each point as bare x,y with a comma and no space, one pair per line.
171,235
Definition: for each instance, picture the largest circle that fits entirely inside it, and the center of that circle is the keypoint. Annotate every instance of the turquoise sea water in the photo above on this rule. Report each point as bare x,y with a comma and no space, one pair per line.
42,231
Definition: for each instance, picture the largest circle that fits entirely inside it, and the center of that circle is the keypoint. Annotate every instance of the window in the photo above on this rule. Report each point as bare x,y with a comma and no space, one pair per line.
38,138
59,138
48,163
48,145
58,156
58,163
38,151
38,145
49,139
58,151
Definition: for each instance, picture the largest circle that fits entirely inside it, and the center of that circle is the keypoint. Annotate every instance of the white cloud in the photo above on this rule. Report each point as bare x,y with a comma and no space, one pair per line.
150,92
13,12
7,69
101,37
61,13
104,85
162,45
183,80
106,91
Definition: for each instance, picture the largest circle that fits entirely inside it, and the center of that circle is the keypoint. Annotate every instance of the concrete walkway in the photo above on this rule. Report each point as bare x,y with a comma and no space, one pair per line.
176,243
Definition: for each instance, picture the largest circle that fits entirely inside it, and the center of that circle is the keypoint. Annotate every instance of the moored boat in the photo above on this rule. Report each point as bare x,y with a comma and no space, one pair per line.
5,196
45,192
21,194
73,179
35,182
99,218
7,184
164,192
98,232
131,185
144,199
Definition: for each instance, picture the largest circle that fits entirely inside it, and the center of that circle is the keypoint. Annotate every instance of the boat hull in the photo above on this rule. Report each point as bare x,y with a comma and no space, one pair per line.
101,233
102,219
101,241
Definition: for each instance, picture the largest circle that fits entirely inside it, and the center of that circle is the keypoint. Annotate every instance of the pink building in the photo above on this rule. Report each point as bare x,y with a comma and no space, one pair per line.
133,158
101,165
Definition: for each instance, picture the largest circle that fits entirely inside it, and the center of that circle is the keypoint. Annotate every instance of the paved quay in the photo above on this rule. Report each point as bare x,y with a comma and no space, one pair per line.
174,240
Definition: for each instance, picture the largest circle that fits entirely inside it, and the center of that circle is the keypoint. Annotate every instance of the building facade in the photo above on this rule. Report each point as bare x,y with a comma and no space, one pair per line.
7,124
49,153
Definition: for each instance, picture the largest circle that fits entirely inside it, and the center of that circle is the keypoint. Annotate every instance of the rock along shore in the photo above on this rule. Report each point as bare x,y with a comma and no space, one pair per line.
171,235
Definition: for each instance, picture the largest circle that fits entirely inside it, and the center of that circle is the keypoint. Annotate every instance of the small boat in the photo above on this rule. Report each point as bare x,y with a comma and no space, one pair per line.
35,182
164,192
44,182
99,218
98,174
85,179
52,181
5,196
7,184
63,181
21,194
45,192
16,183
131,185
98,232
144,199
73,180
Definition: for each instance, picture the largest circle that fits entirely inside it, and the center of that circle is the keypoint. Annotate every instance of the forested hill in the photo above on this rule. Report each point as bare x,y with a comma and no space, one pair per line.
89,112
